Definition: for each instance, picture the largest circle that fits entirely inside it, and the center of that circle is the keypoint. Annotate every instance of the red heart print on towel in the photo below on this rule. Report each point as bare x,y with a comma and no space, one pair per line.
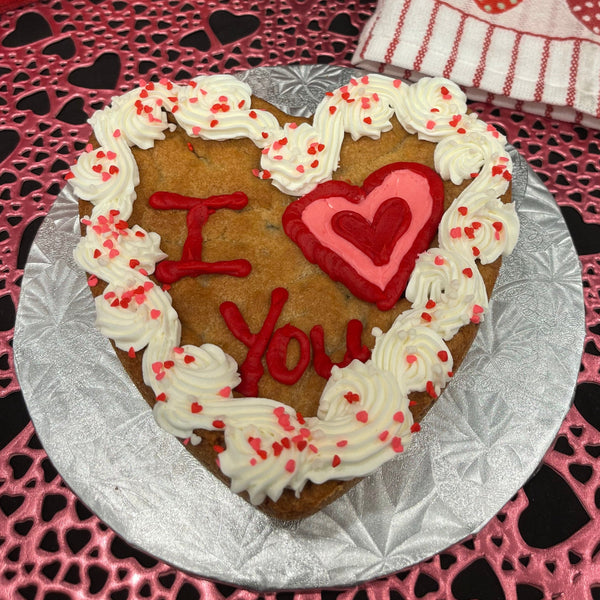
369,237
587,13
494,7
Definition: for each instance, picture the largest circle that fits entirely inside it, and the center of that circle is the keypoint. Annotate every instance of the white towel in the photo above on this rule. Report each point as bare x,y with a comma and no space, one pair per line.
540,56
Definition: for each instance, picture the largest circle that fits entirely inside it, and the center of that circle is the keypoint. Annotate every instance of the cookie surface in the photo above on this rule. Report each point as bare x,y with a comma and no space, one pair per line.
198,168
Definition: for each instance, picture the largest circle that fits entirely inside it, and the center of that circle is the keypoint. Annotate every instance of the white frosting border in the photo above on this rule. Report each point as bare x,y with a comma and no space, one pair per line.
347,439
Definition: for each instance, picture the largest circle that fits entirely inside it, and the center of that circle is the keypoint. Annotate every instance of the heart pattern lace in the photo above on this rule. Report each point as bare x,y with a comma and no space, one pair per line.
363,418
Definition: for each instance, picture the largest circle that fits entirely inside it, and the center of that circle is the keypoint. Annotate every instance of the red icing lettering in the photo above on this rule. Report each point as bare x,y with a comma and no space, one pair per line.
272,343
354,349
251,370
199,210
278,350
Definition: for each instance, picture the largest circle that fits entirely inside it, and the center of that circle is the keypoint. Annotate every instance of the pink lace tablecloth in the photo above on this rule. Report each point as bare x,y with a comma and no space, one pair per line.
61,60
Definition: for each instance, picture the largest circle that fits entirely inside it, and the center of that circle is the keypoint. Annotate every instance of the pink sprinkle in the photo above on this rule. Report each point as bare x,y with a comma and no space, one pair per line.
455,232
157,367
477,309
154,313
439,260
252,461
255,443
362,416
196,130
342,443
117,133
383,435
113,253
300,169
399,417
397,444
111,155
430,124
396,83
290,465
411,358
178,350
313,448
92,280
225,392
160,375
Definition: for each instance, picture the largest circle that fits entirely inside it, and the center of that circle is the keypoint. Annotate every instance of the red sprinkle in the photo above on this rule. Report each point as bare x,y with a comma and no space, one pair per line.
336,461
399,417
196,408
430,388
443,355
218,424
352,397
415,427
397,444
362,416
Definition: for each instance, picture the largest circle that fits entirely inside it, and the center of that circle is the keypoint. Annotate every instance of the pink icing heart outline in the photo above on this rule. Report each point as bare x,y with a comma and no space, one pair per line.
308,222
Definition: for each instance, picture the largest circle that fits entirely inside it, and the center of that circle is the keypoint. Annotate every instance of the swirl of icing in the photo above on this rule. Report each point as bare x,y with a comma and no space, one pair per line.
418,357
303,156
132,118
218,107
446,291
433,108
362,111
106,176
481,225
460,156
110,249
135,315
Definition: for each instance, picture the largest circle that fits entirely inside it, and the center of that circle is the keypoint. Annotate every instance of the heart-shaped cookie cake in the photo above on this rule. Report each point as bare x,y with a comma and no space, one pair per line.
291,295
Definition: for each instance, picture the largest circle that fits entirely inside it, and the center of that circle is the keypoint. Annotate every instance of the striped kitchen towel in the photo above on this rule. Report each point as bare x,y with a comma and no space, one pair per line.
540,56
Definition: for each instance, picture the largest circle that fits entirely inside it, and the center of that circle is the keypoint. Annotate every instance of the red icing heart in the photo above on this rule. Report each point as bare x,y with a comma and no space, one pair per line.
369,237
376,239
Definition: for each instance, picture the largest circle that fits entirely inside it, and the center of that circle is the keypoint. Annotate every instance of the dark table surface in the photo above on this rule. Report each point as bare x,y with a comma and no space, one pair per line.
62,60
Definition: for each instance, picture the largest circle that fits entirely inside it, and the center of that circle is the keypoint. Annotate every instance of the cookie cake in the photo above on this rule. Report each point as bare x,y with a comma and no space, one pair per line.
291,295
